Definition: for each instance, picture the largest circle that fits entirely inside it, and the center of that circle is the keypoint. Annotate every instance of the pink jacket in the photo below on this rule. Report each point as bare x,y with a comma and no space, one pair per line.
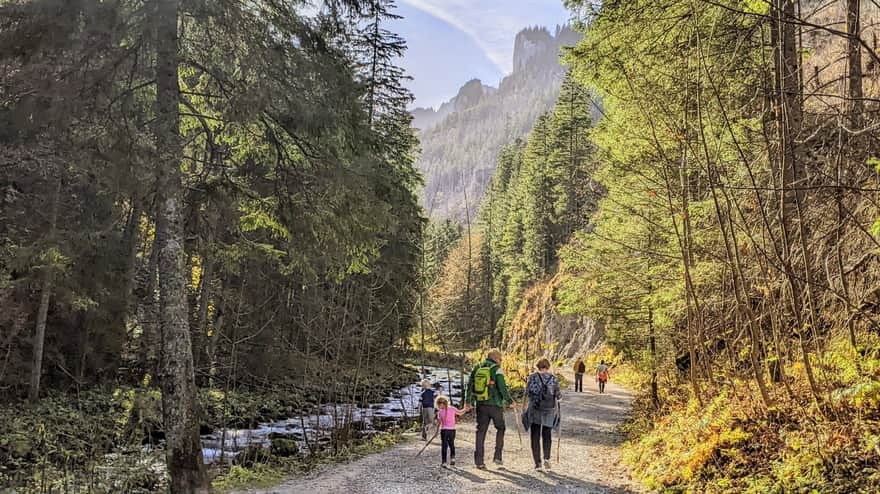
447,417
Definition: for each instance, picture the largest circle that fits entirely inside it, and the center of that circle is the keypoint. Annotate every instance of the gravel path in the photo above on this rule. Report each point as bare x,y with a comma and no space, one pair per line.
590,461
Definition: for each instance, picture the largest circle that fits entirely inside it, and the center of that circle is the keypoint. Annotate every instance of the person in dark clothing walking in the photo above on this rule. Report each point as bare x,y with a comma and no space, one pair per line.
487,391
580,368
543,391
427,406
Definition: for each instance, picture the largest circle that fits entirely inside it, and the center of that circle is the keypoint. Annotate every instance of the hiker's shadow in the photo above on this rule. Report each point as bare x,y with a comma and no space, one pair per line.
467,476
581,483
529,482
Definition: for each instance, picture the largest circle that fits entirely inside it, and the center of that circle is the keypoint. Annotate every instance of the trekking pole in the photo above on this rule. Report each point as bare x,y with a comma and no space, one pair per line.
516,424
429,442
559,432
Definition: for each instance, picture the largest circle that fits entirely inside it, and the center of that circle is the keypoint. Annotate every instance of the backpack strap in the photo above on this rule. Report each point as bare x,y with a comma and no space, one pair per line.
491,368
543,383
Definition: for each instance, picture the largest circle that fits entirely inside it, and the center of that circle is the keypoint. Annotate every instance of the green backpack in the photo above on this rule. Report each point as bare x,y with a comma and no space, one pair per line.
482,381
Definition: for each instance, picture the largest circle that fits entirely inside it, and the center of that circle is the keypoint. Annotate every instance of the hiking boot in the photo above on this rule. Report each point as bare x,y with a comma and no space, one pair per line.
452,462
547,464
443,465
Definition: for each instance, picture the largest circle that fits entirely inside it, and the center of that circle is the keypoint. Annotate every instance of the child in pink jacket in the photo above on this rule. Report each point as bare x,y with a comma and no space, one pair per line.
446,414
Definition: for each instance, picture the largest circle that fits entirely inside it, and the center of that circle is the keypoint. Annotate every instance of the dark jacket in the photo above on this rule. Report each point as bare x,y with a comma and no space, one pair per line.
428,396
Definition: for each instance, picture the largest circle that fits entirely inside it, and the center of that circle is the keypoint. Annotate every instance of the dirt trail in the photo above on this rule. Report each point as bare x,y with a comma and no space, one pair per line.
590,460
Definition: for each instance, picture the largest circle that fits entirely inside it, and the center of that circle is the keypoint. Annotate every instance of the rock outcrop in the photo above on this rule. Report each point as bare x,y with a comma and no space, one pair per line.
540,330
537,47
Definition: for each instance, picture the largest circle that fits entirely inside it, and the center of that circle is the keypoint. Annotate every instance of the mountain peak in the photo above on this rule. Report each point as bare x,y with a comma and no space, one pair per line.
469,96
537,43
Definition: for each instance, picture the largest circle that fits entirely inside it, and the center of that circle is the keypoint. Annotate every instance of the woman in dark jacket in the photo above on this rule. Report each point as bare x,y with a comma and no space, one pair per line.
542,389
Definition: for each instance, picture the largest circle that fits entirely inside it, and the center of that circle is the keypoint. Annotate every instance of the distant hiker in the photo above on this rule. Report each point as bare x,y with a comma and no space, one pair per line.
488,392
427,405
446,414
580,368
542,416
602,375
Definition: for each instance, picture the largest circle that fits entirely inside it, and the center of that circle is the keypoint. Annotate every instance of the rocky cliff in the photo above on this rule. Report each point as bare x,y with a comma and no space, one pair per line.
535,47
540,330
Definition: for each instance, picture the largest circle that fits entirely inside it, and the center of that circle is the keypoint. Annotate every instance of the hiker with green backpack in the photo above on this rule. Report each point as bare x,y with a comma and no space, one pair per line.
488,392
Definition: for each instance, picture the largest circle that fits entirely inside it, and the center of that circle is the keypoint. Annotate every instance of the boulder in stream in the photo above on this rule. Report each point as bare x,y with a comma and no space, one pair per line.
252,455
284,447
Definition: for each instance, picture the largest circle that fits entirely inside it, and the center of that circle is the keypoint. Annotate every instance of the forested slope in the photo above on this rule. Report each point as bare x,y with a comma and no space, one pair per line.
726,238
541,193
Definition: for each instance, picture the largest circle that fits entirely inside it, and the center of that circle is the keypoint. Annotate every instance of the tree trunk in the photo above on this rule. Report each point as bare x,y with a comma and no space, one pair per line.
854,60
148,313
731,248
856,120
132,239
682,245
468,300
200,345
790,117
179,396
655,394
213,340
46,282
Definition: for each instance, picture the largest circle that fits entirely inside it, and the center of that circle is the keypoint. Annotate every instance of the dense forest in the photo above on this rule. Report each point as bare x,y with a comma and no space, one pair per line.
196,195
718,226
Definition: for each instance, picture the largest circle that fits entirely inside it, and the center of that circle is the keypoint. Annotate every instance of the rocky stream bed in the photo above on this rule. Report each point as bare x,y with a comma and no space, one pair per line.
308,432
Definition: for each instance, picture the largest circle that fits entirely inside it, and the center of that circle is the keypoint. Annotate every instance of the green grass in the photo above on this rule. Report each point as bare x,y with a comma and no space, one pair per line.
257,476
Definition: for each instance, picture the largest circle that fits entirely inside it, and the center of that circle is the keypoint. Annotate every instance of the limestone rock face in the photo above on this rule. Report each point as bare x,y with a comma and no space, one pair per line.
529,44
539,329
573,335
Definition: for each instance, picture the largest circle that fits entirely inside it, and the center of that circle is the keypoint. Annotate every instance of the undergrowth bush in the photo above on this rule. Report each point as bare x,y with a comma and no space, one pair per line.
104,440
734,444
63,443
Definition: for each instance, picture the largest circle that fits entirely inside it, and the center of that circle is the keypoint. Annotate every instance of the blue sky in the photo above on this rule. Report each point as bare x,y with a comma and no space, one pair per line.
452,41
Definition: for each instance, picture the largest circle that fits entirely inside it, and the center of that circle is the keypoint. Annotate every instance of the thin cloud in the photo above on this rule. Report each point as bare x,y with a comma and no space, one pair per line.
492,24
448,15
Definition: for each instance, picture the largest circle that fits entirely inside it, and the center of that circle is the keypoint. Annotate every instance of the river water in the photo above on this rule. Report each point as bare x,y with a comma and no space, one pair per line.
314,429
